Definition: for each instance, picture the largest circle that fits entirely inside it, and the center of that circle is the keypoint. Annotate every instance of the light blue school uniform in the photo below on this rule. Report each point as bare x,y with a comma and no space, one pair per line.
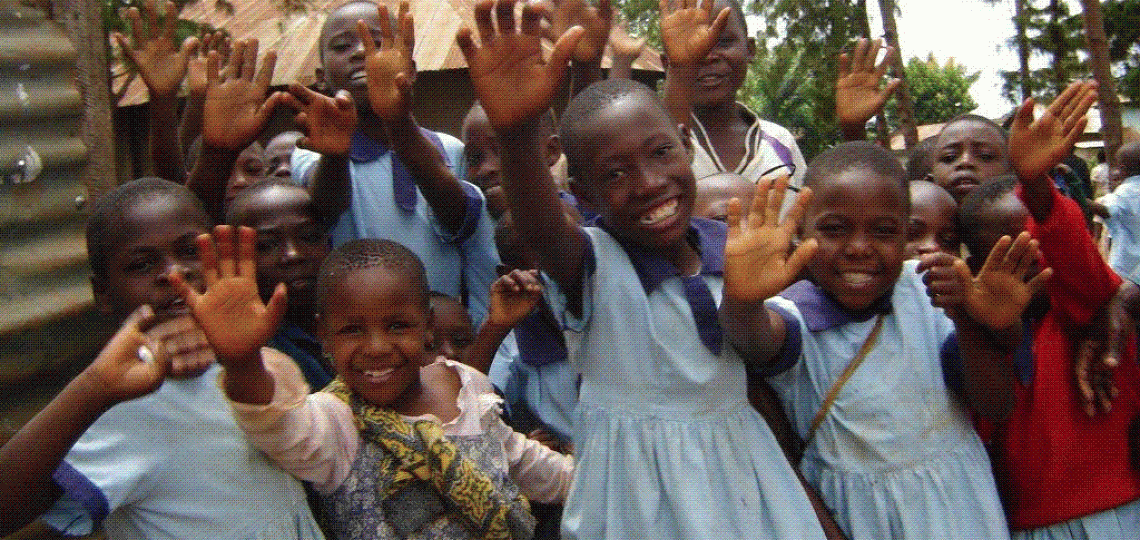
456,262
667,445
549,391
1123,224
1120,523
173,464
896,457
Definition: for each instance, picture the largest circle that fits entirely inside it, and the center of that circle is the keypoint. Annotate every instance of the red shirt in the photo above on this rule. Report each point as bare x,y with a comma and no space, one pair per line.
1062,464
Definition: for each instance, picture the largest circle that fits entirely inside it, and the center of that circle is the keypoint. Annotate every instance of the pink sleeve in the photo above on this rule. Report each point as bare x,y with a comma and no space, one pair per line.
1082,282
542,474
312,436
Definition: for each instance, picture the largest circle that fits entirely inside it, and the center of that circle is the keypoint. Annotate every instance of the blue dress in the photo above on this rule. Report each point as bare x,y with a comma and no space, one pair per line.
667,445
896,457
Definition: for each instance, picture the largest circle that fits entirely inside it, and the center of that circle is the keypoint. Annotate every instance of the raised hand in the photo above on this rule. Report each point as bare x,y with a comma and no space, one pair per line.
566,14
998,295
328,122
236,107
511,79
1035,146
230,312
624,45
859,90
757,264
689,31
133,364
513,297
160,62
390,67
189,350
196,81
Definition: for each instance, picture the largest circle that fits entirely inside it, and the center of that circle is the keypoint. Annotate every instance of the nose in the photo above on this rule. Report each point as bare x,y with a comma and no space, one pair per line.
290,253
172,266
447,349
926,245
650,181
858,246
377,344
968,160
487,173
282,171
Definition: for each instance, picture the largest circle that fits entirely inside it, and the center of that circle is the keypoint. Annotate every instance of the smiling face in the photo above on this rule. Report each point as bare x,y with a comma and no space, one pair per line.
636,173
342,54
375,325
968,153
155,238
933,226
723,70
290,243
860,221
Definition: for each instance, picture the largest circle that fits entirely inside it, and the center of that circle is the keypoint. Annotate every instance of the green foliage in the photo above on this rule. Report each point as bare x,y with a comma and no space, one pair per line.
940,91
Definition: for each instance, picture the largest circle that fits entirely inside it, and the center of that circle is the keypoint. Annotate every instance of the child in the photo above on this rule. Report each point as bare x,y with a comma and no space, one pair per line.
291,243
386,177
1057,487
933,223
887,446
970,150
666,442
714,192
452,331
481,151
393,447
705,67
279,153
169,465
1119,211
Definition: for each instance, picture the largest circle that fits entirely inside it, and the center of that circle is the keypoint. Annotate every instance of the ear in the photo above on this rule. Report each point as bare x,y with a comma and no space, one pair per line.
551,150
686,140
929,178
102,297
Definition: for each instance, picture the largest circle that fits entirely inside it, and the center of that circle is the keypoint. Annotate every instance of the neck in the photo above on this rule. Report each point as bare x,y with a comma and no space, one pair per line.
683,256
372,126
719,116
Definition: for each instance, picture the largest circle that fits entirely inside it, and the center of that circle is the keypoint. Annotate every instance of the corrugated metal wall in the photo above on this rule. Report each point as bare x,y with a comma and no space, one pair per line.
47,327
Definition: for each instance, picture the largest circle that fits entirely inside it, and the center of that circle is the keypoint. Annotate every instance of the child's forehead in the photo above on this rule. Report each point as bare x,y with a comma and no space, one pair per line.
344,17
633,116
874,191
268,203
974,130
930,194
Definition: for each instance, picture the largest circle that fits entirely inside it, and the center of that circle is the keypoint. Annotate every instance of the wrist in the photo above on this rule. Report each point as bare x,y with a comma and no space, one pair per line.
89,388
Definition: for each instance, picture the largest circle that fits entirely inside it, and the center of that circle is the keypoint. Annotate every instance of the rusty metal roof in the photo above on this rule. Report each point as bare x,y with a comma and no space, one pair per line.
294,36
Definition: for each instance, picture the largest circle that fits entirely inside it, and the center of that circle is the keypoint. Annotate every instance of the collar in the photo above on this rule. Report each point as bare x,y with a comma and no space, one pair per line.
364,149
295,333
704,235
820,312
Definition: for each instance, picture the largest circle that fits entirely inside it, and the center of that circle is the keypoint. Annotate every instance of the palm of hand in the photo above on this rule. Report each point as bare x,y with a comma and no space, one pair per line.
511,79
1035,148
233,317
857,97
593,42
756,263
625,44
230,113
161,64
508,308
997,299
687,35
330,128
384,95
125,376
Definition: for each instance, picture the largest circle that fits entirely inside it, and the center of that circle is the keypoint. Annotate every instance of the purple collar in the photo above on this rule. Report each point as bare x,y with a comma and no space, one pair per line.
364,149
820,312
706,235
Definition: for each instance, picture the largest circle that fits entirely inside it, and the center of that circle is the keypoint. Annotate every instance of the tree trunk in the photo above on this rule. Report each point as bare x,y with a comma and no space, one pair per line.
902,93
1057,40
1109,104
1022,48
93,76
863,22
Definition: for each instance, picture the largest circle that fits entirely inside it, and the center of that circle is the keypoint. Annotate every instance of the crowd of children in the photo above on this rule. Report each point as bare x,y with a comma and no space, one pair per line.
637,317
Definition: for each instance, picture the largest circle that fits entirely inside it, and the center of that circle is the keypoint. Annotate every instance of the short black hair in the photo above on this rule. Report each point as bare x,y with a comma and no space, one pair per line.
585,105
1129,156
325,25
105,226
972,211
371,253
855,155
976,118
234,217
918,162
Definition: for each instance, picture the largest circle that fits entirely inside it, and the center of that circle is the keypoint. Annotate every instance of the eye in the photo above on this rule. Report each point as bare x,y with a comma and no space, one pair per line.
948,239
140,265
311,235
886,231
914,229
266,243
664,150
349,330
399,327
186,249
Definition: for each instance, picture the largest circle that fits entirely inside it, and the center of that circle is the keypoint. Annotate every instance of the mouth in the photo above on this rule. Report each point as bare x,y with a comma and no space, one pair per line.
358,77
659,213
710,79
376,376
170,309
857,279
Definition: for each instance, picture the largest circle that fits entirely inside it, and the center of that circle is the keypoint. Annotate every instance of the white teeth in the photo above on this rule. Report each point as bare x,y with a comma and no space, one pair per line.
379,374
660,213
856,278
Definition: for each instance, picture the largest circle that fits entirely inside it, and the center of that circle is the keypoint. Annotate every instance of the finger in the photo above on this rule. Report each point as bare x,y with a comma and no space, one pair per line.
212,70
717,27
872,55
732,219
1024,115
1022,248
1064,104
265,75
796,215
343,100
407,29
275,309
889,89
161,360
467,45
170,17
1117,336
224,240
151,18
505,16
775,200
139,319
233,67
801,256
208,252
387,33
1084,357
249,62
888,58
247,253
560,57
1034,285
483,22
997,254
1105,393
844,64
190,47
757,210
121,40
532,22
858,54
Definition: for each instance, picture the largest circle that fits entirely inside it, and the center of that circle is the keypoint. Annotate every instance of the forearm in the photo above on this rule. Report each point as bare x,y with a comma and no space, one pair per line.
678,98
1099,209
209,178
165,150
622,67
989,375
247,380
853,132
482,352
191,125
32,455
427,166
330,186
1037,194
756,333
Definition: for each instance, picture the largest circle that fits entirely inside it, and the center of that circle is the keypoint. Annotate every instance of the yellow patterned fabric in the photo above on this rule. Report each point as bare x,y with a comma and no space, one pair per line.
419,452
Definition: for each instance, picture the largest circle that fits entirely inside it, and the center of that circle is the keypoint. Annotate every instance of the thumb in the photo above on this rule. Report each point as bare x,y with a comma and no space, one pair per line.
801,256
139,320
275,309
1024,115
563,48
1039,280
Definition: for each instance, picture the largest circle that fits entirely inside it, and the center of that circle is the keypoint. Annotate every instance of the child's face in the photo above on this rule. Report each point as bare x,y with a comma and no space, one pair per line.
723,70
156,239
375,325
343,53
968,153
860,221
278,155
290,243
482,152
637,172
932,227
451,327
714,192
248,170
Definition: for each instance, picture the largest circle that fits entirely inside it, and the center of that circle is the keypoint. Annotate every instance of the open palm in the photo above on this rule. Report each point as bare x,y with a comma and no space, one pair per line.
859,92
1035,146
328,122
161,63
999,294
756,261
236,108
689,33
390,67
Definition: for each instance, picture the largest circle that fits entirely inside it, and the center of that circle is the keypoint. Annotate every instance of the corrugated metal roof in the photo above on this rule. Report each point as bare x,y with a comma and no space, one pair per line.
295,36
